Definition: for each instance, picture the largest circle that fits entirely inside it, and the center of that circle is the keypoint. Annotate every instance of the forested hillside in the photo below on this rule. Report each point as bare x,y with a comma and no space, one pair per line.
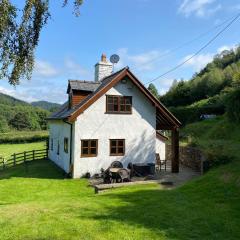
214,90
51,107
19,115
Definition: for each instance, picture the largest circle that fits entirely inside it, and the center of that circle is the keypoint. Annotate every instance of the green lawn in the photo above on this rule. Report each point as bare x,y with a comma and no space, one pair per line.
7,149
37,203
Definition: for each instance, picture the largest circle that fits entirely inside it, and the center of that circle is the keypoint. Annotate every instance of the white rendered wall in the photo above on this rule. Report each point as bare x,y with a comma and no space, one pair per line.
138,130
58,130
161,148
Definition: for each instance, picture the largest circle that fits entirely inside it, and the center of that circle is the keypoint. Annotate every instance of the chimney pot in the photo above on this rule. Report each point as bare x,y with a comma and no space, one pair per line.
104,58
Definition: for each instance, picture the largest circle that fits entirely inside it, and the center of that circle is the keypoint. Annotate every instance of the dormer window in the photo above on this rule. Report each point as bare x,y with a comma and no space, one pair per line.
119,104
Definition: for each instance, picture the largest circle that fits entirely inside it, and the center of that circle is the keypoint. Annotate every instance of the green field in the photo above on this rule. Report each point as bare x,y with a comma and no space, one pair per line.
38,203
8,149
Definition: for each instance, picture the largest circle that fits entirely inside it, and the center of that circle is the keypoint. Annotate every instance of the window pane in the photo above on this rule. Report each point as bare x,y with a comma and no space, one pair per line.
113,143
127,100
120,150
85,143
113,150
93,143
115,108
122,108
120,143
115,100
122,100
93,151
128,108
110,107
109,99
85,151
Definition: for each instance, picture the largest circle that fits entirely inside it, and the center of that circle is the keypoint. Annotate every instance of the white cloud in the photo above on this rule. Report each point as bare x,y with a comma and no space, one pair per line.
198,62
44,69
75,70
138,62
199,8
226,47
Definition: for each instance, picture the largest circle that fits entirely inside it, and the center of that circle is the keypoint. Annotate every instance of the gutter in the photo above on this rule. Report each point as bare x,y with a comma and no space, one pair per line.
70,155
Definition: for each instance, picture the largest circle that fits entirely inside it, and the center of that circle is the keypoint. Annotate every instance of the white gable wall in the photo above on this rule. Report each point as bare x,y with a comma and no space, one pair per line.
138,130
58,130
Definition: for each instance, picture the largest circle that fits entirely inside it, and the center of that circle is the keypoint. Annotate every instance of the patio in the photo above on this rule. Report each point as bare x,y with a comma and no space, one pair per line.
167,179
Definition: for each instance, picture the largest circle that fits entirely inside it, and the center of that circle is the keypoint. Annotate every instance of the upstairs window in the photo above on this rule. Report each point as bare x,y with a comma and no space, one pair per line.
119,104
66,145
89,148
117,147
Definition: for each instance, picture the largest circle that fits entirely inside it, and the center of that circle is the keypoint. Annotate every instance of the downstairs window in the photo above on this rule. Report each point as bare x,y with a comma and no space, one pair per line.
89,148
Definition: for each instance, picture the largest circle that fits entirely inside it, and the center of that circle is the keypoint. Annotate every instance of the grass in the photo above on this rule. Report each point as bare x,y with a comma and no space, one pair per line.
8,149
23,136
209,133
38,203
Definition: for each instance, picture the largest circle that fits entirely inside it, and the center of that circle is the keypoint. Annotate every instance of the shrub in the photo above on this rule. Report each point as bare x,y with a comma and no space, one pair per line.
3,125
233,105
217,155
23,137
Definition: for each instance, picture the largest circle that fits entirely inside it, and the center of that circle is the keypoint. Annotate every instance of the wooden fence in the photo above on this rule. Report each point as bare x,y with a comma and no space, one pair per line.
23,157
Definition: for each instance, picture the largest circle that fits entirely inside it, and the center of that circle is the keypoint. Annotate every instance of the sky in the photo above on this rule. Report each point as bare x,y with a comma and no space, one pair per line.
150,37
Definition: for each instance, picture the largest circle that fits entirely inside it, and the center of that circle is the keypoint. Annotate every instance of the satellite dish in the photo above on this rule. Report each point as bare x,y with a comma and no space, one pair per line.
114,58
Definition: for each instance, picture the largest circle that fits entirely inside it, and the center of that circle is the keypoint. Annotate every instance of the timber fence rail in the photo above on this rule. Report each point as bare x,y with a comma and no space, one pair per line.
23,157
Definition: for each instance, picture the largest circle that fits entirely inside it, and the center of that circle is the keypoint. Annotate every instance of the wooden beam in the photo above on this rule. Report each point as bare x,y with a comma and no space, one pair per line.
175,150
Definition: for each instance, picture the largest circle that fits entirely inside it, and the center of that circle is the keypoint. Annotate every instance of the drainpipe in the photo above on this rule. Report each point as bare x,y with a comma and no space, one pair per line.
70,155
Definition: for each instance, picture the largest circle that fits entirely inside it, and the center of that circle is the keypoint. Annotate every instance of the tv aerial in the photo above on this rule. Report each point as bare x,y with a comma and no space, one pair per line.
114,59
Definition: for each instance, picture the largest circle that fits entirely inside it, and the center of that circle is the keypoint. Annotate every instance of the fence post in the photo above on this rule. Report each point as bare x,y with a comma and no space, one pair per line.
14,159
24,157
33,153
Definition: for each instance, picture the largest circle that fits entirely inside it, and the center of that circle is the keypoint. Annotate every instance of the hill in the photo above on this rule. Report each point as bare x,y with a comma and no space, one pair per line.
213,90
51,107
9,100
19,115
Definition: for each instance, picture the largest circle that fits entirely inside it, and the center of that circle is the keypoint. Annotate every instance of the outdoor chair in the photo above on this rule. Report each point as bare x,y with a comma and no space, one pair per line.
124,175
160,163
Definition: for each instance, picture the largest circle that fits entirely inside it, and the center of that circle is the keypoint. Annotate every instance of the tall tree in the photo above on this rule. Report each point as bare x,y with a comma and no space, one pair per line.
153,90
19,36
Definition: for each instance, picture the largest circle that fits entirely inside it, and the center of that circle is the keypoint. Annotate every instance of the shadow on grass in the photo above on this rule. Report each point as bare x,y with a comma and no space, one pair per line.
44,169
189,212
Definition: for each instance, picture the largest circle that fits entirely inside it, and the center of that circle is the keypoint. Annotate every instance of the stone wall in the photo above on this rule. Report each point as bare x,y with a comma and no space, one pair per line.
189,157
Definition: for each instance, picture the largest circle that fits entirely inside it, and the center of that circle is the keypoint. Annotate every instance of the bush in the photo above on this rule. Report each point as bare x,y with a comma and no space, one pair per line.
217,155
233,105
3,125
23,137
192,114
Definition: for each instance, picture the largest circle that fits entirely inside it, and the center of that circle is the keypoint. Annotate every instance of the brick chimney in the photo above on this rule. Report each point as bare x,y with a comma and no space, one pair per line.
103,68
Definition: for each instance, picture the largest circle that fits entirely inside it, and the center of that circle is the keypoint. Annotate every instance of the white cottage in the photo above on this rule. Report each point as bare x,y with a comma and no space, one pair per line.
112,118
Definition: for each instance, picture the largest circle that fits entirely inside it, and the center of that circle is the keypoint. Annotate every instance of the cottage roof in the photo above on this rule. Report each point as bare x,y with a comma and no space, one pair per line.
82,85
164,118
